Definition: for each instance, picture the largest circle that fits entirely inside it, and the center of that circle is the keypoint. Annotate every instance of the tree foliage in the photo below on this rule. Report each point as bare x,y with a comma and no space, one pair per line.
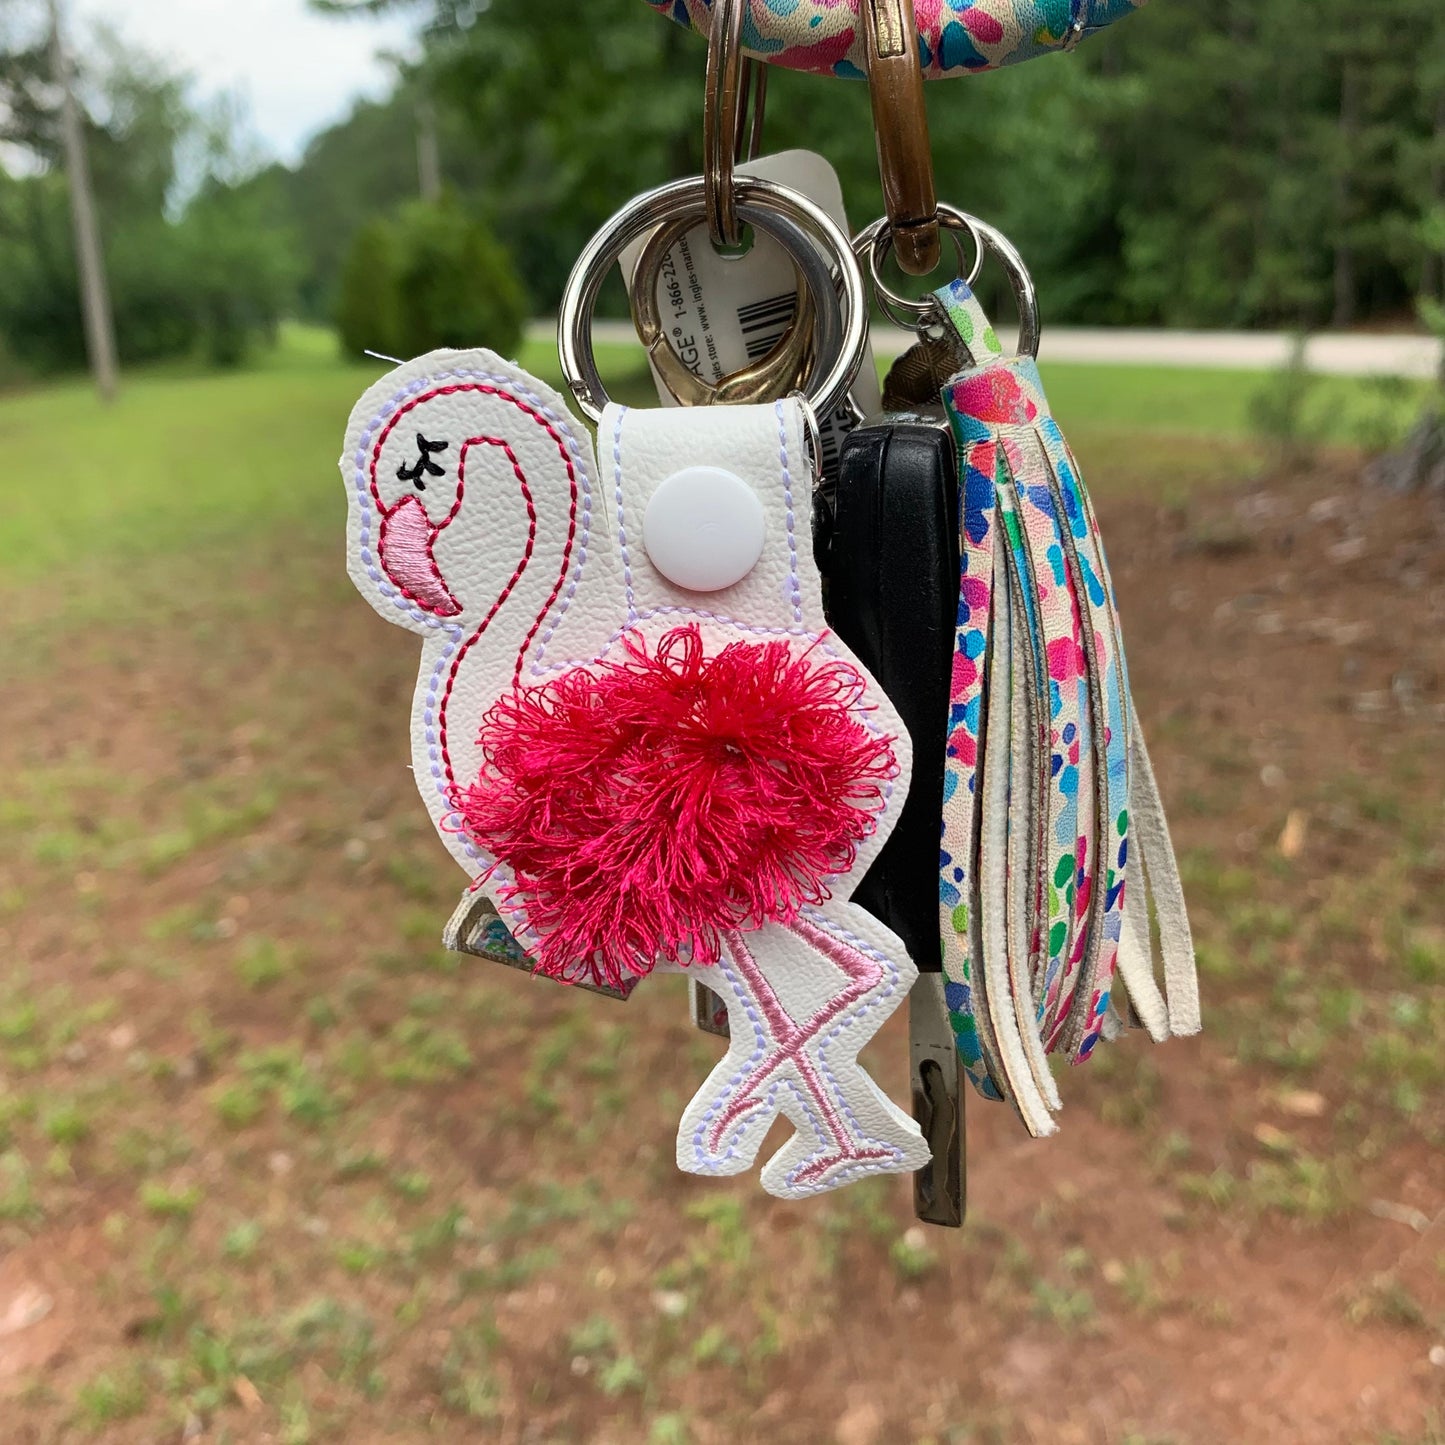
199,260
1246,162
1239,163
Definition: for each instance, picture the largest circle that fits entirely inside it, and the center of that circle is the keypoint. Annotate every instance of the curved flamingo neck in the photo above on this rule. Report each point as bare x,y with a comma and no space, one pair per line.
514,619
523,562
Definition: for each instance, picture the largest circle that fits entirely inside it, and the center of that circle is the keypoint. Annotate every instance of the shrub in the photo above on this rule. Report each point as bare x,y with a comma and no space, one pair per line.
367,304
430,276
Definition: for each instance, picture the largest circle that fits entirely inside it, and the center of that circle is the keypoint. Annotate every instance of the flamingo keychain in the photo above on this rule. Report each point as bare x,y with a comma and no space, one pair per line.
632,727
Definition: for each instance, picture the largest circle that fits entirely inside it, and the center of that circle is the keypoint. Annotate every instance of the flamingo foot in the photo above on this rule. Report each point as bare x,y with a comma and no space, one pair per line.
803,1000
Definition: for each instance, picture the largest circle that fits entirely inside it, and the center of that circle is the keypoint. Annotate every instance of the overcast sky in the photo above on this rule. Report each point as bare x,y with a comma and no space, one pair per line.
297,71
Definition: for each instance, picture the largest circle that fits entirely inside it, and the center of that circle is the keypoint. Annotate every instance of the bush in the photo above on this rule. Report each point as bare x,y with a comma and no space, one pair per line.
431,276
367,307
1279,411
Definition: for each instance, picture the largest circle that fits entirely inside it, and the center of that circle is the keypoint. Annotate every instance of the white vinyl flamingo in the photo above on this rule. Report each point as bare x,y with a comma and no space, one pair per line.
476,519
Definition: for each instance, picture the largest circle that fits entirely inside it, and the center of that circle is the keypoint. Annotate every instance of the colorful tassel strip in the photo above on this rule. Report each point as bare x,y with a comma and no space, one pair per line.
1049,789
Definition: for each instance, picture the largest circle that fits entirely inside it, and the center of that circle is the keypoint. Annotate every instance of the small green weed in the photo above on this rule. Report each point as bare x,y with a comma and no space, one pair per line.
169,1202
239,1104
243,1240
1386,1299
912,1255
66,1122
1070,1309
111,1397
412,1185
263,962
17,1195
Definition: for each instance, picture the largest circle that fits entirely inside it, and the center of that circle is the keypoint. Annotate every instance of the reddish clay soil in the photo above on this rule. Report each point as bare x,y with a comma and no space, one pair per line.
1287,645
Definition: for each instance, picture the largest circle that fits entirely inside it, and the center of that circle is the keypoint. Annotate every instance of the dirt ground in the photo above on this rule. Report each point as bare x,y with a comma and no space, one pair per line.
275,1168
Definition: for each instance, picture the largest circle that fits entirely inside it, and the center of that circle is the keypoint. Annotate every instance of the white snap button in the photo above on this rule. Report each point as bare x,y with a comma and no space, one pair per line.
704,529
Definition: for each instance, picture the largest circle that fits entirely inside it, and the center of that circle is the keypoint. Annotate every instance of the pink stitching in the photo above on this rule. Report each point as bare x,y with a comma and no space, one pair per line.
546,425
557,586
387,518
505,593
791,1040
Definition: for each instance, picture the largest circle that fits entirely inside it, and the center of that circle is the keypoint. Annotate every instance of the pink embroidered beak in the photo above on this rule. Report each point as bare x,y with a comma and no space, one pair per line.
405,548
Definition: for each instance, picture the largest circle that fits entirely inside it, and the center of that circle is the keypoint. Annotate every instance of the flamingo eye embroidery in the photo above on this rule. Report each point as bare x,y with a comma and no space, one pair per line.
424,466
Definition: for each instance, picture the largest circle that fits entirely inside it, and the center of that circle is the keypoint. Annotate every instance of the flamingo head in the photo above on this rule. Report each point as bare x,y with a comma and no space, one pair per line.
416,486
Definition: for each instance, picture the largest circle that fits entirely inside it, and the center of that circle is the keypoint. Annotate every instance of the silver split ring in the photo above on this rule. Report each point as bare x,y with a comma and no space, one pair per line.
914,315
823,254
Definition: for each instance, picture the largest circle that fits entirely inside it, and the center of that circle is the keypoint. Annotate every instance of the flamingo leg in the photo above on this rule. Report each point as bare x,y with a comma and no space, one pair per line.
803,1000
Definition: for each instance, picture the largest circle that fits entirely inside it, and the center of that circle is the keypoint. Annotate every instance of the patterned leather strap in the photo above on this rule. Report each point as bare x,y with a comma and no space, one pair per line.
955,37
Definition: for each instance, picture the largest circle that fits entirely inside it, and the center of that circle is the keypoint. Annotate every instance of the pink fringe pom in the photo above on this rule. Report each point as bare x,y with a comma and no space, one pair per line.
649,805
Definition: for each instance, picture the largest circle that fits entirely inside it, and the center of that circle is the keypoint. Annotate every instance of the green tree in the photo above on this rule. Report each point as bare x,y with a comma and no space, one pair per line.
366,166
368,301
568,124
197,254
239,262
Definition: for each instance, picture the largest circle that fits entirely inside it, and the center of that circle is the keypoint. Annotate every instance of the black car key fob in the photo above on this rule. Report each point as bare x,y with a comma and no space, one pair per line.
893,558
891,542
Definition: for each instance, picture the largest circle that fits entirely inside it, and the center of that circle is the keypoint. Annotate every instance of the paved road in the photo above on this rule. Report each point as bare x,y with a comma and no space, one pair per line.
1334,354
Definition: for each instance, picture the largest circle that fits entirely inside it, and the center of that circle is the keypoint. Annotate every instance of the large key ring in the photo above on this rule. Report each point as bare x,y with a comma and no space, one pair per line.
820,251
773,376
913,315
900,126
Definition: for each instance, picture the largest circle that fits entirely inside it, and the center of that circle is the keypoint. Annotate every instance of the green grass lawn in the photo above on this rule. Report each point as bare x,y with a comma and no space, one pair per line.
1207,403
192,461
178,461
288,1171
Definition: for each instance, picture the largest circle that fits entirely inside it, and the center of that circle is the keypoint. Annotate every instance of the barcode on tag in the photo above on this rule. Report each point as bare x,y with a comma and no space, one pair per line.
833,430
765,323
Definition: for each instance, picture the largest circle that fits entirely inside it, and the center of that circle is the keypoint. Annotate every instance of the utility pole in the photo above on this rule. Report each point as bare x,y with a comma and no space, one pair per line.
428,150
90,262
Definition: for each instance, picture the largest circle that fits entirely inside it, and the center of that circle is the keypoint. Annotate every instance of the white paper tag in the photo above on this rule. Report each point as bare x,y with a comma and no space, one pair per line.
722,313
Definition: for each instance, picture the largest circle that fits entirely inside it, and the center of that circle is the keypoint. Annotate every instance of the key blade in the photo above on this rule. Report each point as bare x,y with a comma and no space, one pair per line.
939,1188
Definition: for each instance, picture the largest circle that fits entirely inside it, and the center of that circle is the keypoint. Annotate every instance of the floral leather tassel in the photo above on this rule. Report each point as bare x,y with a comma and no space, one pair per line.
1055,847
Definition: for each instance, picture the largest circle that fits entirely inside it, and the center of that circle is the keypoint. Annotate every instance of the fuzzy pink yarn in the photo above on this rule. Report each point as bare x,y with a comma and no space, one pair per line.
648,805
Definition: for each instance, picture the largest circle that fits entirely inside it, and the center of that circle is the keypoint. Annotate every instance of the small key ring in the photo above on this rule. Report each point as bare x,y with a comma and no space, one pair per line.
900,127
812,431
913,315
763,380
877,240
840,301
722,120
